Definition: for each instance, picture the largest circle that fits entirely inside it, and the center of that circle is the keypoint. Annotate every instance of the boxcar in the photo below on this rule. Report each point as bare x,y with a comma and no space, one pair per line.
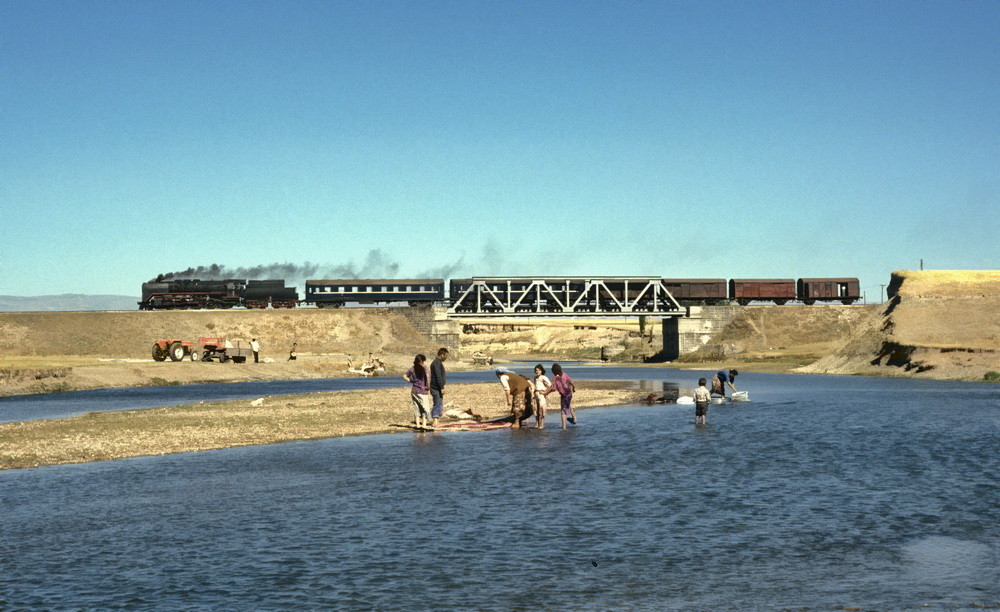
777,290
336,293
844,290
709,290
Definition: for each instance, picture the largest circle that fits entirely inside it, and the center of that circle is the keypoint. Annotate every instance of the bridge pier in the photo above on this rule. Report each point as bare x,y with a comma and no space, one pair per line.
682,335
434,323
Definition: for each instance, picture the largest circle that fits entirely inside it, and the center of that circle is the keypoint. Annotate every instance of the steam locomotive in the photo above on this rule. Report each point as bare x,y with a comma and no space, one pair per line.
231,293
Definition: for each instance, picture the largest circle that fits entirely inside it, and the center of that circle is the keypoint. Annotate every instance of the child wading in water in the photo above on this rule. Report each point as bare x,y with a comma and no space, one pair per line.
542,386
562,383
702,398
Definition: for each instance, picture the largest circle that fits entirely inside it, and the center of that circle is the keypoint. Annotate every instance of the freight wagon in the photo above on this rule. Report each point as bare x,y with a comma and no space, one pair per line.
844,290
777,290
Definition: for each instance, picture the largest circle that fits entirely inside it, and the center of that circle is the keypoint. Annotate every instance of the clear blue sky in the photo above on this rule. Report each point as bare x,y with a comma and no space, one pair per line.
679,139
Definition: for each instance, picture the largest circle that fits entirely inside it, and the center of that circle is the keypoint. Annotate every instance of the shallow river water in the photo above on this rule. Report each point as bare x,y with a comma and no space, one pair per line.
821,493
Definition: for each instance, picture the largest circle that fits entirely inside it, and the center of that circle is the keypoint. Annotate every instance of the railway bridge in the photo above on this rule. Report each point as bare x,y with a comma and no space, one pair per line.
685,328
504,297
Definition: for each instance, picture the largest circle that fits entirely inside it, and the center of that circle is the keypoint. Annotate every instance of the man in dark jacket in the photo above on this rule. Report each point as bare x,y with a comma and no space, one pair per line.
437,385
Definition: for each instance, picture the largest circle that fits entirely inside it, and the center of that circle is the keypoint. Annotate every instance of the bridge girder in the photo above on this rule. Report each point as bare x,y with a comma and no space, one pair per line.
564,297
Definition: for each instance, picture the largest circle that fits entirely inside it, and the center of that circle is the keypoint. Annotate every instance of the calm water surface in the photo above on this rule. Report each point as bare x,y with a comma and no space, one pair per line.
822,493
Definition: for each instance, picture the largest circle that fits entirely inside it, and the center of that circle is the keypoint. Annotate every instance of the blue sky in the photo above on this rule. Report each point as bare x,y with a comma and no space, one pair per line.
678,139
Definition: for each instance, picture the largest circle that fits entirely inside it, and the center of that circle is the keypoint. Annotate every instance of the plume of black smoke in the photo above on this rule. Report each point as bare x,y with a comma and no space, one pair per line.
375,265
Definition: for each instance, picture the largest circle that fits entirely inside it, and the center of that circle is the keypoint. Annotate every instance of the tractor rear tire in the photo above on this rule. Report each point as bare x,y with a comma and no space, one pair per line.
176,351
158,353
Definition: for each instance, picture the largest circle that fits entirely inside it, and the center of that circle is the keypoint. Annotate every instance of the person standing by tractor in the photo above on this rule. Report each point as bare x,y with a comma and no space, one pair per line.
255,347
437,385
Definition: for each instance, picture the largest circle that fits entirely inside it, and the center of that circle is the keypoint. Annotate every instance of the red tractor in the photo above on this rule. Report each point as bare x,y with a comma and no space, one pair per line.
175,349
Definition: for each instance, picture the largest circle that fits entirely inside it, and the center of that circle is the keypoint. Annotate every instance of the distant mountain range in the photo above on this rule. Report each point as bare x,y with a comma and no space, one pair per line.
67,301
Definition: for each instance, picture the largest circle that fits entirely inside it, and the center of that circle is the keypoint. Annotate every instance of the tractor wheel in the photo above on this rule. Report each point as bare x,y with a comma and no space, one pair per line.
176,351
195,355
158,353
223,358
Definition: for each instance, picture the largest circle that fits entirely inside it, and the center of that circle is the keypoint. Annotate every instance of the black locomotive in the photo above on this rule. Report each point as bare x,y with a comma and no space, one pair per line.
229,293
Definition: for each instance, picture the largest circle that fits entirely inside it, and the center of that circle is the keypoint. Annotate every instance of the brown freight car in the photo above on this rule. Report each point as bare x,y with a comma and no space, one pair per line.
709,290
777,290
844,290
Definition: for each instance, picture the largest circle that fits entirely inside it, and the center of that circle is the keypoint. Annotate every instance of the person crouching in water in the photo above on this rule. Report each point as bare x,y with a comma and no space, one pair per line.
419,377
562,383
720,380
542,386
702,398
518,391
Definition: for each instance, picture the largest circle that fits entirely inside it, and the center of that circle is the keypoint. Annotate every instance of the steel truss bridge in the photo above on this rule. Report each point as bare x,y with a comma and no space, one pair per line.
617,296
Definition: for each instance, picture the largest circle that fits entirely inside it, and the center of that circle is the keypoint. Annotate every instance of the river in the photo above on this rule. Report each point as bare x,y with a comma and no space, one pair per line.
821,493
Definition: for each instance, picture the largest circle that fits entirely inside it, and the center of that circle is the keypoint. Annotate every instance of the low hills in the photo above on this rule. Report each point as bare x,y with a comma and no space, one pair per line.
66,302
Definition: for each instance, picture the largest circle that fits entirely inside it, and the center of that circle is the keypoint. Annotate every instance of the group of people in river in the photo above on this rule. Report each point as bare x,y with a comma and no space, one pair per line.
703,397
524,398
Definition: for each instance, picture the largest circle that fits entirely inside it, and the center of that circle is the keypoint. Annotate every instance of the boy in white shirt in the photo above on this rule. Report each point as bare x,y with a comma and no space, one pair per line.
702,398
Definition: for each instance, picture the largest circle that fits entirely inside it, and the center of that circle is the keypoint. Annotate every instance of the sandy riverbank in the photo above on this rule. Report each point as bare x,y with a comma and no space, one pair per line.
215,425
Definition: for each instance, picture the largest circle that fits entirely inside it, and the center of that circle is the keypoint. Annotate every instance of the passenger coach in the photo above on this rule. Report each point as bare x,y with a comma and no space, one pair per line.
336,293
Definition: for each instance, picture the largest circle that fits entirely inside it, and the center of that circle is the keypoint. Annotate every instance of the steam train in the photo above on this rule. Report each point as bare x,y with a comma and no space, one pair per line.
231,293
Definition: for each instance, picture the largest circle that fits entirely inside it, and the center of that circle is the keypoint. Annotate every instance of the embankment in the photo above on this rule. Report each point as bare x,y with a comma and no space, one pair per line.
60,351
936,324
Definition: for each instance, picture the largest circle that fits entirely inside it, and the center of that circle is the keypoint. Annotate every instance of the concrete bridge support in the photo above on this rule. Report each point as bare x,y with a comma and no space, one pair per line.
434,323
682,335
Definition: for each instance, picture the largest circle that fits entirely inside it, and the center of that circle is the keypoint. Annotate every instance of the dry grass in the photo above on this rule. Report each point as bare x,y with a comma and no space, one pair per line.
131,334
948,283
102,436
